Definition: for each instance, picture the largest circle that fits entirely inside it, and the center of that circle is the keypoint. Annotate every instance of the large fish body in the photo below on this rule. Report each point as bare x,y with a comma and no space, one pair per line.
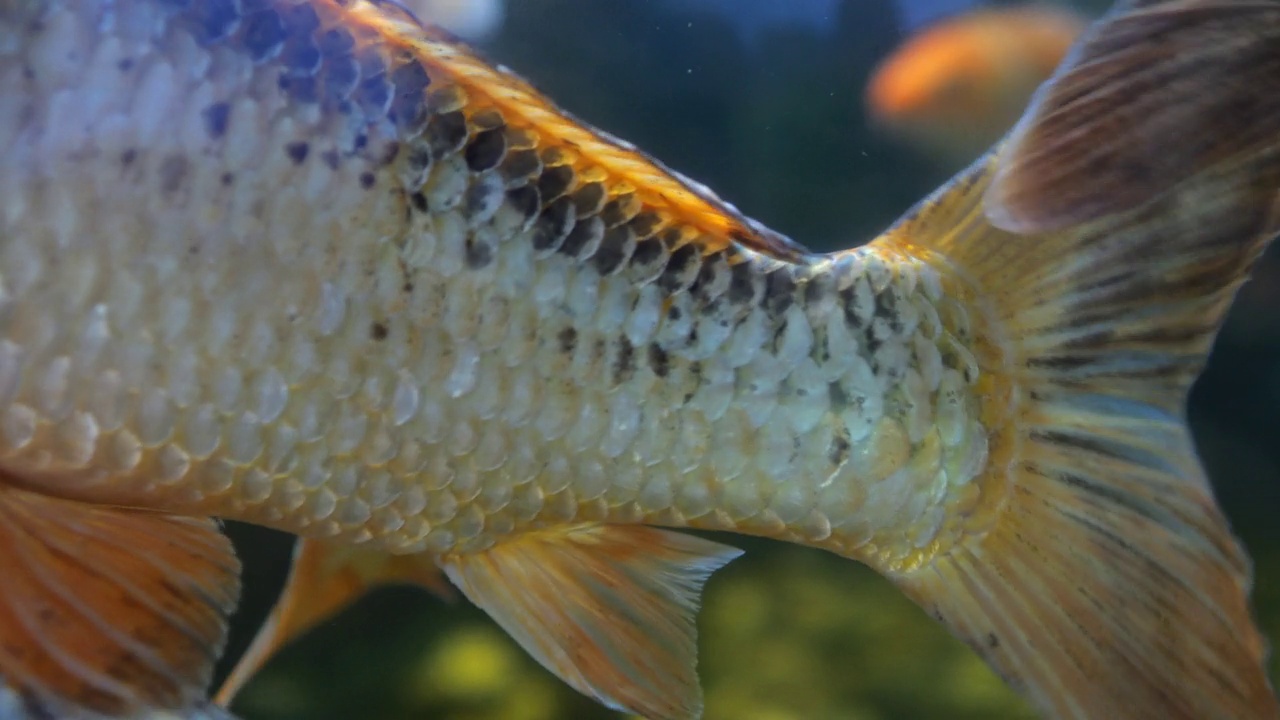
306,264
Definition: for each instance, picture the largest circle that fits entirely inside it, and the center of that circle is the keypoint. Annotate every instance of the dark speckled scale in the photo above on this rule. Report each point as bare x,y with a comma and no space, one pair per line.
264,35
554,182
553,226
373,93
520,165
588,199
584,239
486,150
645,224
647,261
447,133
620,209
681,268
745,285
616,247
213,21
779,291
526,201
713,279
301,54
408,101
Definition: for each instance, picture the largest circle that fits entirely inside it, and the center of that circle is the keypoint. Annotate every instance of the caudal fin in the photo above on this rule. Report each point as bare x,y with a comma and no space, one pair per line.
1109,585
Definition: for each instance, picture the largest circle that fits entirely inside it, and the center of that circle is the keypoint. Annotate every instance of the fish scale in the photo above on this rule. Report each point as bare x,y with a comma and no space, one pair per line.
528,317
311,265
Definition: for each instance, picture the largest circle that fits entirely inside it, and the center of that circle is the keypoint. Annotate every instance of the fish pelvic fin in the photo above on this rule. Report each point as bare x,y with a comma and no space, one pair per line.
1154,92
323,580
1103,581
607,608
107,612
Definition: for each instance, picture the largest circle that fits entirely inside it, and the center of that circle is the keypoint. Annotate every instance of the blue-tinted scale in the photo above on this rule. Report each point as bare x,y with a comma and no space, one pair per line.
373,94
301,56
263,35
342,69
408,106
214,20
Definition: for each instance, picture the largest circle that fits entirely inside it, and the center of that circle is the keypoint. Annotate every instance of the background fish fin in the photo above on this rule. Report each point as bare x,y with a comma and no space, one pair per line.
609,609
325,578
111,611
1155,92
1108,583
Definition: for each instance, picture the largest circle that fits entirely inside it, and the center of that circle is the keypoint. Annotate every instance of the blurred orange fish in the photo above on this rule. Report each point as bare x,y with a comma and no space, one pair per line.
955,88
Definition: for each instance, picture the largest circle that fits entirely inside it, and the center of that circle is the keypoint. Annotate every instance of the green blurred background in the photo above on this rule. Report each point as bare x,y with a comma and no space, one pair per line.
772,118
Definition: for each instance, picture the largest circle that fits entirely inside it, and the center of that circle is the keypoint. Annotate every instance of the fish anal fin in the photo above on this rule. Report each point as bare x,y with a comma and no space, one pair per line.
610,609
110,611
324,579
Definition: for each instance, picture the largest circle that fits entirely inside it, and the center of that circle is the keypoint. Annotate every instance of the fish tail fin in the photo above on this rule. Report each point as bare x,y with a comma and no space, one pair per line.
1107,583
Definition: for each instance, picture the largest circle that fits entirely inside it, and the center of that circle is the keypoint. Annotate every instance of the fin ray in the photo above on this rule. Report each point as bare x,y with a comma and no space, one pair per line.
325,578
1108,584
107,610
607,608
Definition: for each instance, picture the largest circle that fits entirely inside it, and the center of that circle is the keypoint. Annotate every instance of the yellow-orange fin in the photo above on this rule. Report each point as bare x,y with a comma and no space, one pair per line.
1107,584
324,579
1155,92
109,612
610,609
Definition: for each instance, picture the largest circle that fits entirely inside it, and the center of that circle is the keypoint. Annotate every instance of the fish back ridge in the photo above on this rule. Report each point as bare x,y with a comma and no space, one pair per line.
1101,579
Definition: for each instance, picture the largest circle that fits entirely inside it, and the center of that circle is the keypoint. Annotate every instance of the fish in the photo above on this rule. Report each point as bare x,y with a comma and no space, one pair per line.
955,88
312,265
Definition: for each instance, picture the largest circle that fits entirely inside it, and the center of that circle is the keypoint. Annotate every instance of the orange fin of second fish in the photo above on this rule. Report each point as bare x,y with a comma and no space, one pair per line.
106,611
1155,92
607,608
324,579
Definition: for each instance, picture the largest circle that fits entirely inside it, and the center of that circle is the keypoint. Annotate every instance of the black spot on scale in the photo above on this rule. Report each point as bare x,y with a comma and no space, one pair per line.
297,152
624,360
486,150
567,339
841,444
216,117
367,180
263,35
419,202
477,253
128,156
378,331
659,360
993,642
